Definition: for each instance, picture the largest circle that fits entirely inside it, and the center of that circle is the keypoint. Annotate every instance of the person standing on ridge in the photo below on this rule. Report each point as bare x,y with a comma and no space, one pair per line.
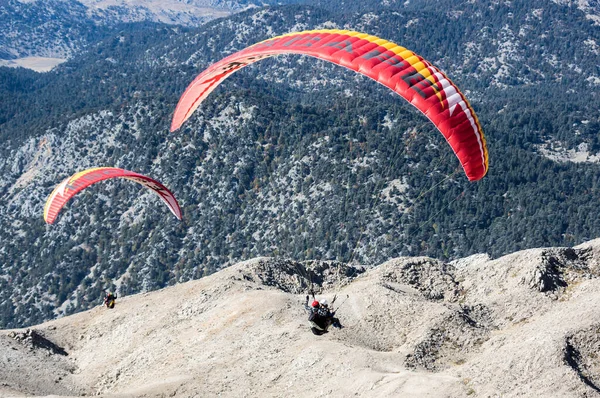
109,300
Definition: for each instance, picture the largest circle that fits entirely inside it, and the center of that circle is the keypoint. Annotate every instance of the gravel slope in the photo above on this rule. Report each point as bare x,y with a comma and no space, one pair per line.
525,324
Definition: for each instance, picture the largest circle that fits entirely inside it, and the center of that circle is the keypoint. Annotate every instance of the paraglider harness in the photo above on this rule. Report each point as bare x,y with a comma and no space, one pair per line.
109,300
321,317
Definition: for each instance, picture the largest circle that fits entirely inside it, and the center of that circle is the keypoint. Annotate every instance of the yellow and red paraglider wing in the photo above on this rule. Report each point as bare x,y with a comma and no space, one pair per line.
162,191
81,180
409,75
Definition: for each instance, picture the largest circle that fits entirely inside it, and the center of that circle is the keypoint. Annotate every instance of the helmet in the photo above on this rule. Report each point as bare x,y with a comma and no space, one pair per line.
315,304
324,302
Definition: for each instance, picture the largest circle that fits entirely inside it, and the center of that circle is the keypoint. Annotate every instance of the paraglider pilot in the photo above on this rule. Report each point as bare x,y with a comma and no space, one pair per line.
109,300
321,317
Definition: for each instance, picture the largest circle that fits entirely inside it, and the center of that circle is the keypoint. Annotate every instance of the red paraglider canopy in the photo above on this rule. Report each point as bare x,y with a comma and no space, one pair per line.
77,182
406,73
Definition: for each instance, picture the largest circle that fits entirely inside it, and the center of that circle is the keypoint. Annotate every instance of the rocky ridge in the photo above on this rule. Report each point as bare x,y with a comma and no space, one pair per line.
524,324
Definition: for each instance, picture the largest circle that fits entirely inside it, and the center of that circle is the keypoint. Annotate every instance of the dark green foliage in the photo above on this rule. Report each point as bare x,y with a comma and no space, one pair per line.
338,170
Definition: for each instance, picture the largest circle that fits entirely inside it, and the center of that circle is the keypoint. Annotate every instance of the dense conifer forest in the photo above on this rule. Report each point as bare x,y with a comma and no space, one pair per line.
293,157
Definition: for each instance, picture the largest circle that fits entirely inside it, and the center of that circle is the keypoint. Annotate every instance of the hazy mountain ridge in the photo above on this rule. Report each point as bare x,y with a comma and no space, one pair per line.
59,29
40,29
522,324
292,157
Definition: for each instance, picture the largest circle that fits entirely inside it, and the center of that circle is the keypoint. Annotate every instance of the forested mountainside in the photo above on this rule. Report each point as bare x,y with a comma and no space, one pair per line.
294,157
52,28
63,28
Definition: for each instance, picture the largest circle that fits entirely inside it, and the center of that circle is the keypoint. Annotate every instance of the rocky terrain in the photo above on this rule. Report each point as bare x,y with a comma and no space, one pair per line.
525,324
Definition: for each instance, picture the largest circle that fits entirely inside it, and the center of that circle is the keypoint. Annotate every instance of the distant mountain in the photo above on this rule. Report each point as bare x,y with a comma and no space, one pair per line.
56,29
51,28
294,157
